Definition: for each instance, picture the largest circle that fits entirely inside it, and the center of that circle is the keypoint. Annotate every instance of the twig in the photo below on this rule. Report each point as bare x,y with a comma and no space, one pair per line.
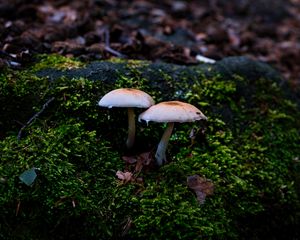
108,48
18,207
114,52
35,116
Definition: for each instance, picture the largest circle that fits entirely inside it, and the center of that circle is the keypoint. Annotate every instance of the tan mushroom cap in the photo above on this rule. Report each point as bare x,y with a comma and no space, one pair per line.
126,97
172,111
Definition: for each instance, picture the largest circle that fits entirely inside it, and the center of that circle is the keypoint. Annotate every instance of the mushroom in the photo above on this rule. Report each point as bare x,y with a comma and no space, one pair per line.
130,98
170,112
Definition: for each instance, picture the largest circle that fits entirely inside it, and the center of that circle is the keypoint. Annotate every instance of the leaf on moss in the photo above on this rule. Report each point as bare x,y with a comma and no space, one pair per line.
144,159
28,176
141,160
125,177
130,159
201,186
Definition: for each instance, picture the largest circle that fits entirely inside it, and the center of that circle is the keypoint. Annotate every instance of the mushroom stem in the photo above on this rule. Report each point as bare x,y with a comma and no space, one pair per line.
131,128
160,154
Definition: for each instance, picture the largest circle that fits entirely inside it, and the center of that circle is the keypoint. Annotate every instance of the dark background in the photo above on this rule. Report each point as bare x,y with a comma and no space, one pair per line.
165,30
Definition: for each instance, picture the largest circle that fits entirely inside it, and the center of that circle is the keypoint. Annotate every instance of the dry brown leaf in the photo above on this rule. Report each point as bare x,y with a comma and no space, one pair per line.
201,186
129,159
125,177
143,159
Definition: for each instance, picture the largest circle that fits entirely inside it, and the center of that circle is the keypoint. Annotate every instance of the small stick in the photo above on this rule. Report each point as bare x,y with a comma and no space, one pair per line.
35,116
108,48
114,52
18,207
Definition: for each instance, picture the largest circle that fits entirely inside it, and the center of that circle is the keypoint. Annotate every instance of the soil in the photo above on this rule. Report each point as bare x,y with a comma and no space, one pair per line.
169,31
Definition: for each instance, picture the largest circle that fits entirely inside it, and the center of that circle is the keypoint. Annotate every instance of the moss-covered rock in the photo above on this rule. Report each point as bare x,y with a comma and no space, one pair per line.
249,148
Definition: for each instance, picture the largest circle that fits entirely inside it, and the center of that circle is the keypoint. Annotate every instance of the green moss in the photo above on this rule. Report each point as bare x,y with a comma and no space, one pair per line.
248,148
56,61
69,185
130,62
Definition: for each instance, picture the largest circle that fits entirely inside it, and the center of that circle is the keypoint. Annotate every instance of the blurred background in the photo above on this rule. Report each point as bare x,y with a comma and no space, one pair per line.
165,30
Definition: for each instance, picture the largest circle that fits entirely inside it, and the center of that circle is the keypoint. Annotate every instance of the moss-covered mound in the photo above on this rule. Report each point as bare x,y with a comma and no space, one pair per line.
248,148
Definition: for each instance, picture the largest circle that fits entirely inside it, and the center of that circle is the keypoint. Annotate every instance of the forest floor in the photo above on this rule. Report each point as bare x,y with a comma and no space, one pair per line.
170,31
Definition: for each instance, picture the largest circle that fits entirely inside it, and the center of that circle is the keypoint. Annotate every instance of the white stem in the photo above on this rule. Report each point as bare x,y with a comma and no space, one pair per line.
131,128
160,154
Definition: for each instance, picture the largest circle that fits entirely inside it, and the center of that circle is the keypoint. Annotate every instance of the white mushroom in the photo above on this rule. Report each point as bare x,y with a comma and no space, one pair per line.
129,98
170,112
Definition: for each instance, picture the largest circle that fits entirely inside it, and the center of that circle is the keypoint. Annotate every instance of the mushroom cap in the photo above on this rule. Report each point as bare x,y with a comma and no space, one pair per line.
172,111
126,97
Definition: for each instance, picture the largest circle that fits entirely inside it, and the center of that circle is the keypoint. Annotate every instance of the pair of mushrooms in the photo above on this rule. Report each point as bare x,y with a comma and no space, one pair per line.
167,112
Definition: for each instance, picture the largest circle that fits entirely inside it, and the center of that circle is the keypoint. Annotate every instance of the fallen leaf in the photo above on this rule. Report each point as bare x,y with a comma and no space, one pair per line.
143,159
130,159
201,186
28,176
124,176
